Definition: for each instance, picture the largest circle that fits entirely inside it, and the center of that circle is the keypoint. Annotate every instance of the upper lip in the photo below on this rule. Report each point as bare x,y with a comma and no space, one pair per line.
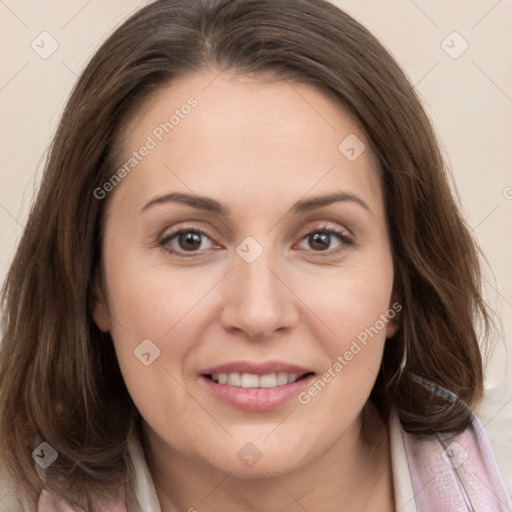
263,368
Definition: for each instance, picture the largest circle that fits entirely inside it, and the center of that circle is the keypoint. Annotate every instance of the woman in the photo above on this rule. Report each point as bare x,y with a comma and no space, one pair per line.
245,284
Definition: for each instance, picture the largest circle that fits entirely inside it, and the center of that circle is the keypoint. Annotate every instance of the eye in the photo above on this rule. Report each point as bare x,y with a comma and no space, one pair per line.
193,240
185,240
321,239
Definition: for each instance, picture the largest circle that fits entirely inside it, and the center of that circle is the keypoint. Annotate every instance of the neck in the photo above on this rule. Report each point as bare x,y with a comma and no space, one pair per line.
354,474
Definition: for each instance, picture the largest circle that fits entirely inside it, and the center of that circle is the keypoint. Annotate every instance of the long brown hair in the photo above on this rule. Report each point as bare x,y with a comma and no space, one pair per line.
59,378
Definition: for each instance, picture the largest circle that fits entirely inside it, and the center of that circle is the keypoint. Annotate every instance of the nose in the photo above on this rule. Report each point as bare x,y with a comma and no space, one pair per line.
258,301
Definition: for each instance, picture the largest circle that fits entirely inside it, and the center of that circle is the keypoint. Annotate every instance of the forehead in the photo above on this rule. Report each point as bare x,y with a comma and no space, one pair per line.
245,137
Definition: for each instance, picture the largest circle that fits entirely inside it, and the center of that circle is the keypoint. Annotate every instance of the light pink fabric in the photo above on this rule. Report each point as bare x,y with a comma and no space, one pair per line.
48,503
456,473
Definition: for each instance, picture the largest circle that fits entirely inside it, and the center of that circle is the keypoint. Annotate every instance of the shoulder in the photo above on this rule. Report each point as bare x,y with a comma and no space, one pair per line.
49,503
9,499
457,471
12,501
495,415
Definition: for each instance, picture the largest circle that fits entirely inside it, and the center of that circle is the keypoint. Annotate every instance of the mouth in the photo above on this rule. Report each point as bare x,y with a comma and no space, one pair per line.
256,387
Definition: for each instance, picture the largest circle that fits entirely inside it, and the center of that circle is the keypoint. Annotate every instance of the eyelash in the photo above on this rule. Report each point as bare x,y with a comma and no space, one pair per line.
343,237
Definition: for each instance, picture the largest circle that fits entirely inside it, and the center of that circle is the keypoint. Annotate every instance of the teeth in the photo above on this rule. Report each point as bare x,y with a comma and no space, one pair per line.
249,380
234,379
268,381
282,378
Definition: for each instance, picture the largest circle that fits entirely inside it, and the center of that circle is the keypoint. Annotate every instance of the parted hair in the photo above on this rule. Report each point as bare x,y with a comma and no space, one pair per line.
60,381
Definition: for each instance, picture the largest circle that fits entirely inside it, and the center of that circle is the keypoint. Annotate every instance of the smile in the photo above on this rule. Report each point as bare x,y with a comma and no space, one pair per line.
256,387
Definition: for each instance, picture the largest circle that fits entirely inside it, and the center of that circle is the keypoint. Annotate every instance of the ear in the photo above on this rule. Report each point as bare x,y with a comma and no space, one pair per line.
100,311
391,328
394,316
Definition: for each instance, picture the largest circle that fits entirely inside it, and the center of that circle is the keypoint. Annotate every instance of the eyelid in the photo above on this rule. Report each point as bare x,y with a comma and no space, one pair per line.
344,236
173,232
166,237
325,226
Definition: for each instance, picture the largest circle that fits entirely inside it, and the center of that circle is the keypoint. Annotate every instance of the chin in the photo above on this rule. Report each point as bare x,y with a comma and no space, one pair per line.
259,457
275,465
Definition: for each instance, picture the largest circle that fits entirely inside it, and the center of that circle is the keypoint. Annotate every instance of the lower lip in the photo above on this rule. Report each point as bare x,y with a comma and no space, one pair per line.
257,399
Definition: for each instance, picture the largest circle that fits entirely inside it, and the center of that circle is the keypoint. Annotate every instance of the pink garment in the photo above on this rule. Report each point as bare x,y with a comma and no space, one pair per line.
49,503
456,473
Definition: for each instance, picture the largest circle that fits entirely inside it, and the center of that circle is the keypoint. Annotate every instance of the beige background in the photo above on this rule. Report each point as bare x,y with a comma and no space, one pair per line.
469,99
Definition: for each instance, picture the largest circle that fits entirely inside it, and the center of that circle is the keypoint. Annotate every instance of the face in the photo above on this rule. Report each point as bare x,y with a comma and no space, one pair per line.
244,308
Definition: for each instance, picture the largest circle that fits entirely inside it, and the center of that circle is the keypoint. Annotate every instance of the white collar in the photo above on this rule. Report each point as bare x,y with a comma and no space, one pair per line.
402,482
145,498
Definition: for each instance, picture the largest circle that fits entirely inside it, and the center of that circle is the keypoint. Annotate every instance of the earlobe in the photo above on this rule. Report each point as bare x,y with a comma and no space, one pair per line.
394,316
100,312
391,328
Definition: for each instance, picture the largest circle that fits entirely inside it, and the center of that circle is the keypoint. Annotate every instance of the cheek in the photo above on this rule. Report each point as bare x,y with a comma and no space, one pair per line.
354,305
160,311
155,306
353,299
154,335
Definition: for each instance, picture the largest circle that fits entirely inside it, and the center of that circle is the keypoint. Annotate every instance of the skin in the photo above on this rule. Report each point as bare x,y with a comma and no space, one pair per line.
257,147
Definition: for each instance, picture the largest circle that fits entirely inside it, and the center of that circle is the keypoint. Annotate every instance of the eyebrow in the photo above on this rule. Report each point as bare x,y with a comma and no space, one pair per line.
211,205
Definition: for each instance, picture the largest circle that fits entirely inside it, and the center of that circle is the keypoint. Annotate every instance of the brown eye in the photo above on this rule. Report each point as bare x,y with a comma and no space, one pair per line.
322,239
319,241
184,241
189,241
